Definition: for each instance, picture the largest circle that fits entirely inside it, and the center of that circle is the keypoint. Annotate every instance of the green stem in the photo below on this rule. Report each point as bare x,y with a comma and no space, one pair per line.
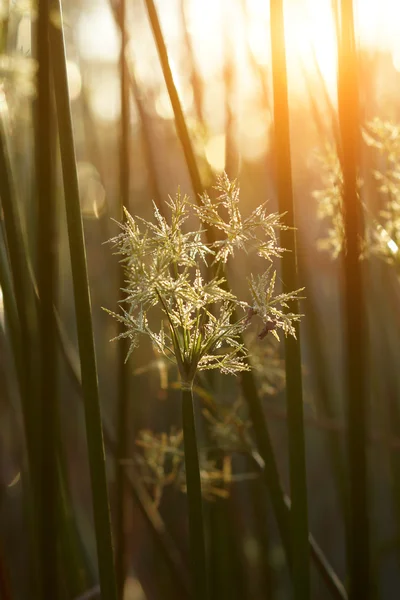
181,126
87,354
123,372
22,291
5,583
47,268
294,389
324,399
195,502
75,565
162,540
354,314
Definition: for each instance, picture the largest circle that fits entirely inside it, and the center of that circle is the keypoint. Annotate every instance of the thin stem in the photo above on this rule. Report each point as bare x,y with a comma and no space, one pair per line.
162,539
354,308
47,249
123,372
294,389
23,295
5,583
87,354
324,399
195,502
181,126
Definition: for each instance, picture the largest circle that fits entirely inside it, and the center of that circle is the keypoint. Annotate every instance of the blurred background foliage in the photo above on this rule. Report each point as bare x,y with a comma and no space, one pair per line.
220,57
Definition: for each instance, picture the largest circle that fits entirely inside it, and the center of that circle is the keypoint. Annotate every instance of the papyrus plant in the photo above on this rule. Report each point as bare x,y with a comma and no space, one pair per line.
172,274
381,231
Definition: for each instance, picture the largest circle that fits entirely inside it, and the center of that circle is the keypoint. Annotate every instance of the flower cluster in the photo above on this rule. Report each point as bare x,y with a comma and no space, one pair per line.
182,274
329,199
160,458
382,232
385,237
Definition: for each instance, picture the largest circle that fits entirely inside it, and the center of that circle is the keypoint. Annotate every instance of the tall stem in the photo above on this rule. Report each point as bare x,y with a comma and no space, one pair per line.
294,390
354,312
123,373
47,251
94,431
195,502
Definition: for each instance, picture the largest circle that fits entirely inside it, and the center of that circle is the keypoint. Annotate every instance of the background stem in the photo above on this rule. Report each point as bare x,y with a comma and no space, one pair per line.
294,388
195,503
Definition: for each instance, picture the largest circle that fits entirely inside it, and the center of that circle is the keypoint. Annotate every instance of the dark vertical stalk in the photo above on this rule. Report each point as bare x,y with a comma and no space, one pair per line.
354,313
198,560
123,373
87,353
20,312
47,267
164,544
24,297
324,400
75,567
5,583
294,390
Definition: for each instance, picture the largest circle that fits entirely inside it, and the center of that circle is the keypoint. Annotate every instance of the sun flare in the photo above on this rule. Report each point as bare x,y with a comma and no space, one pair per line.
231,37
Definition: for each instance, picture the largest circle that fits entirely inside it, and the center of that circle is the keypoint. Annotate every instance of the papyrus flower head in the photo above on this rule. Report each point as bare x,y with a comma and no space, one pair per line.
202,321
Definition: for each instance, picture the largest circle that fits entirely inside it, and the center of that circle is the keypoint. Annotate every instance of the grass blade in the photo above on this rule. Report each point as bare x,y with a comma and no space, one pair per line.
83,316
294,390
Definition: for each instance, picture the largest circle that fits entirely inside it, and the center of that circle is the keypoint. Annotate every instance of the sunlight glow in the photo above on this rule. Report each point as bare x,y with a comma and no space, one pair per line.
386,239
215,152
91,191
3,101
254,136
235,37
393,247
104,96
97,35
74,80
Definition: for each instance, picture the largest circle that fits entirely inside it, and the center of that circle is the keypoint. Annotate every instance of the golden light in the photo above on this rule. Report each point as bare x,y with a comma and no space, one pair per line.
205,26
97,35
91,190
105,96
3,101
309,39
24,35
237,35
163,103
254,138
74,80
215,153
